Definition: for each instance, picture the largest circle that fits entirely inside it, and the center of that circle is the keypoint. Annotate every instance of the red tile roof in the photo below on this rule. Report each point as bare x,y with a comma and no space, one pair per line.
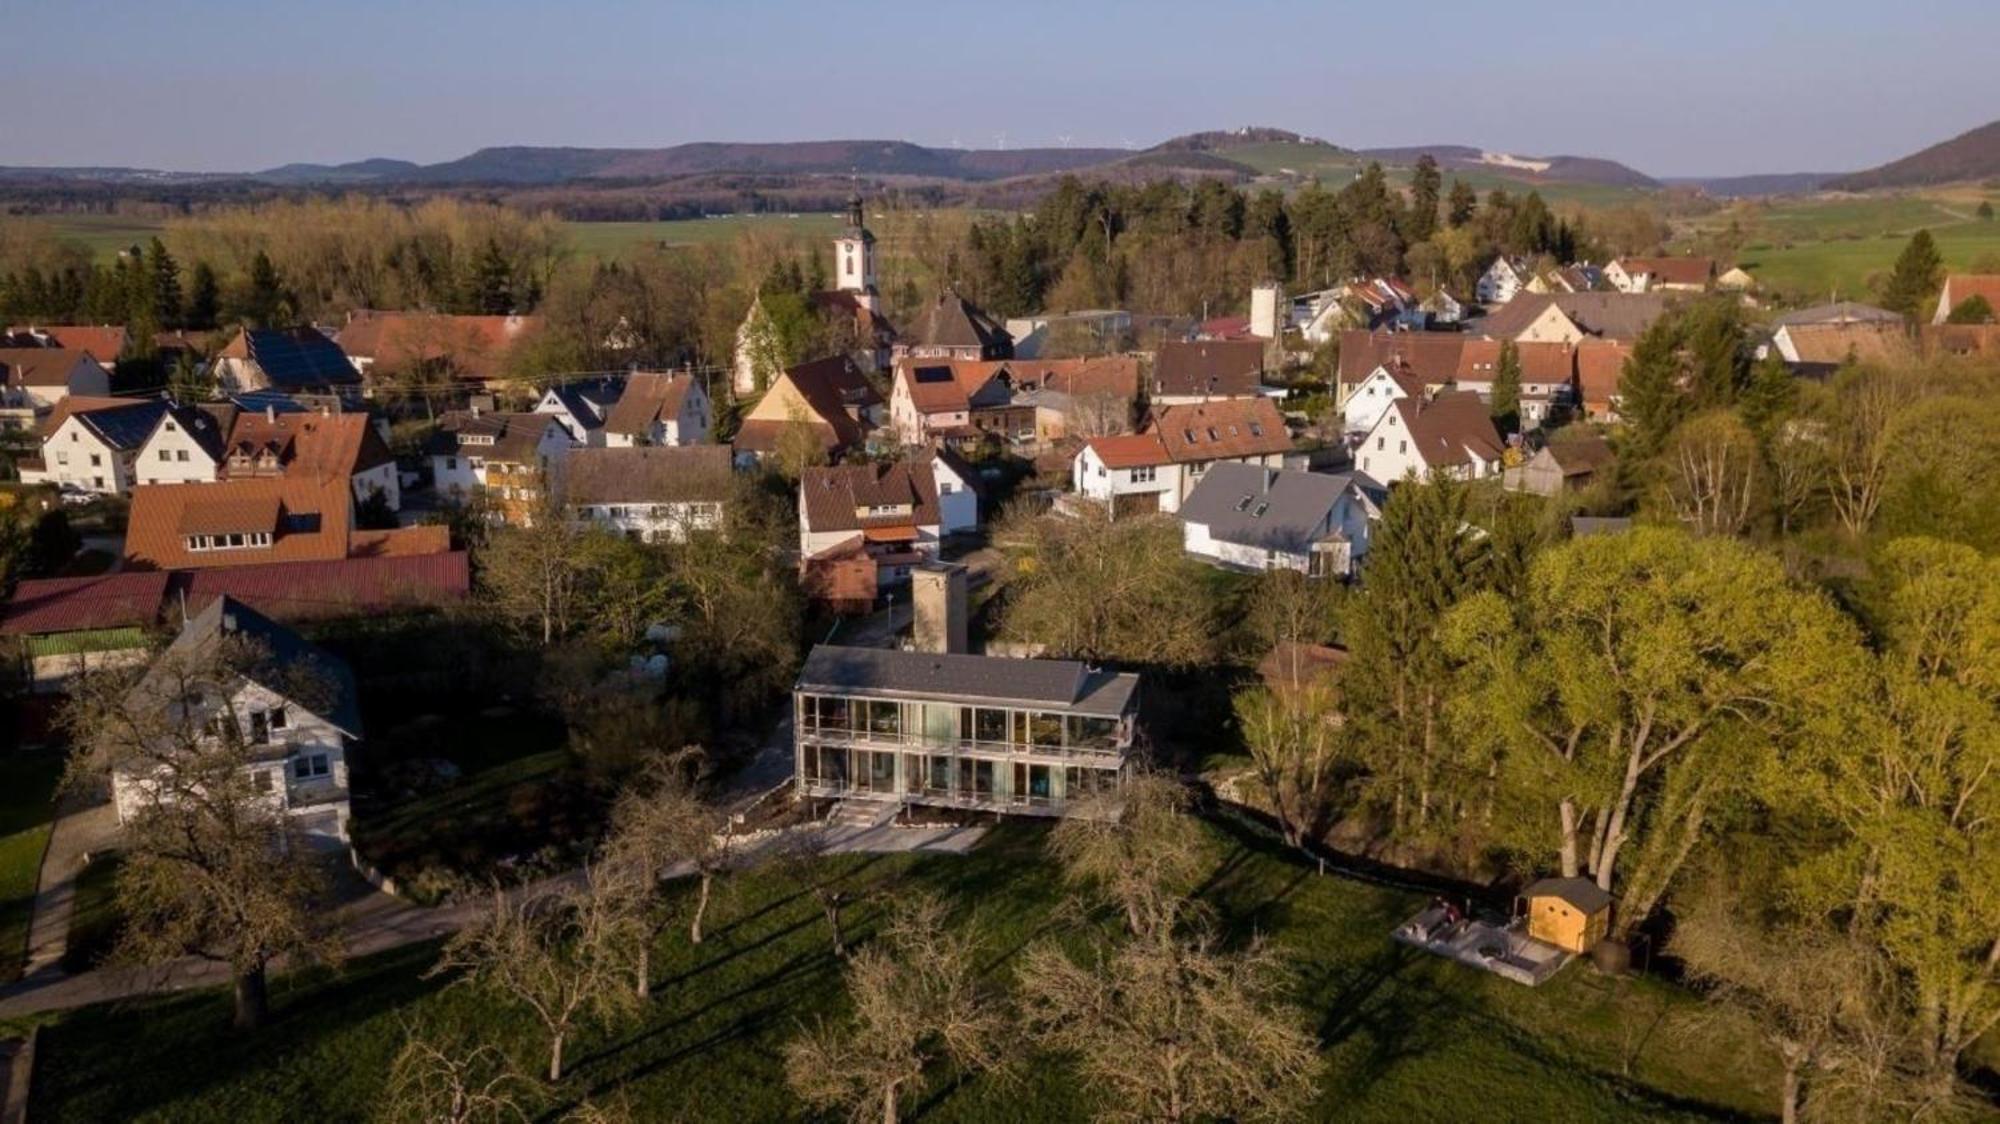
1430,356
1450,429
41,366
1673,271
122,600
1599,366
649,396
475,347
1214,368
293,591
1545,363
1962,287
104,342
835,497
1132,450
1221,430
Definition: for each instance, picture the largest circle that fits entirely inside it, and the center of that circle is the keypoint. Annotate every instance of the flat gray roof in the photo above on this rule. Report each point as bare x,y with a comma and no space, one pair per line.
1067,685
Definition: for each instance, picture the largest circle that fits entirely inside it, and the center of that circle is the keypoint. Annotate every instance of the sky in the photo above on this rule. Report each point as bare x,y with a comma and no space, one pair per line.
1692,87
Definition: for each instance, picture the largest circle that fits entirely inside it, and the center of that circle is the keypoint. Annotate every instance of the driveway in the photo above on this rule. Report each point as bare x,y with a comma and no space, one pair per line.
79,831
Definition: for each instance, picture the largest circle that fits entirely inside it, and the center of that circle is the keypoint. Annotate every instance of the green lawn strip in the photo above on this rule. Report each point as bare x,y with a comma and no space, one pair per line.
1409,1037
27,808
617,239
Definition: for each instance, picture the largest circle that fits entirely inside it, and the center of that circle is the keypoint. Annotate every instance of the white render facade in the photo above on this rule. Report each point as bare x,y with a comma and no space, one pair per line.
652,522
1368,401
74,458
1091,477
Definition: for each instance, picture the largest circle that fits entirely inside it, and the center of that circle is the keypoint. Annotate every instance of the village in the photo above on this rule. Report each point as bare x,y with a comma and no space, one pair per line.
1502,606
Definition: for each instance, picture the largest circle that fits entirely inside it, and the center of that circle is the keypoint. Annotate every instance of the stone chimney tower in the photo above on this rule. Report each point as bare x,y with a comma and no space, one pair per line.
1266,298
938,601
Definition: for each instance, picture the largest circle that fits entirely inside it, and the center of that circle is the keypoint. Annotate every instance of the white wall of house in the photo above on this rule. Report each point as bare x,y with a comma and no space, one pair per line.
382,478
1089,476
581,431
653,522
86,378
958,504
1552,326
73,456
172,456
1388,455
308,779
1499,284
1370,400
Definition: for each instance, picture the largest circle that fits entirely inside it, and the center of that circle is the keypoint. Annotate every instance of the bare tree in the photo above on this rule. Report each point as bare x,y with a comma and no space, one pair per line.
800,857
659,824
1292,738
214,866
559,953
537,577
1170,1028
918,1001
1712,480
1137,848
1860,430
432,1084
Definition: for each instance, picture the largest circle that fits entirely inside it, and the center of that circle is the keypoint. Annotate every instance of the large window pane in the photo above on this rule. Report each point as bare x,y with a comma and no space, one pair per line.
885,718
882,773
1046,730
989,725
1093,733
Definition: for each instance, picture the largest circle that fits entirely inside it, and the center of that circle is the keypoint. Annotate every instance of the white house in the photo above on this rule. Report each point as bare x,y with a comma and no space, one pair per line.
1248,517
1370,400
649,493
186,447
1646,275
92,444
1129,473
469,443
582,407
1450,435
1502,281
295,748
1155,470
36,378
659,409
203,444
896,513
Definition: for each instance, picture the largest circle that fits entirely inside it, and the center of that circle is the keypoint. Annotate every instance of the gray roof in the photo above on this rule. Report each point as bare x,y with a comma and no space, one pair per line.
1271,509
1579,892
283,651
1066,685
1839,312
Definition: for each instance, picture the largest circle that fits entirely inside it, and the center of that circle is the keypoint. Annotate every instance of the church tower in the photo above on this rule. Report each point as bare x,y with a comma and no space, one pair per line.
854,257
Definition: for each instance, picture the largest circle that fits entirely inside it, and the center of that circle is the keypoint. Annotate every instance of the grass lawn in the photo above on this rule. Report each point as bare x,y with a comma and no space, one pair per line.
105,235
616,239
1816,269
27,807
1407,1036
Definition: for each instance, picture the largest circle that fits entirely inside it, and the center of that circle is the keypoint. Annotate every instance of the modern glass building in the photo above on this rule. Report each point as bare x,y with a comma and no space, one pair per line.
1002,735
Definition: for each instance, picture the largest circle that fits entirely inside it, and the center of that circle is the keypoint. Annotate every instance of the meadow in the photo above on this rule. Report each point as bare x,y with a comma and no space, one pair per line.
1405,1036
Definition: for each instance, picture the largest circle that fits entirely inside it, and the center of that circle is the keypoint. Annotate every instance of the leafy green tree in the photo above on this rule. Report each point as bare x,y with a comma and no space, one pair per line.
266,302
1975,309
1506,403
1463,204
1915,280
1651,398
1770,396
1642,689
490,287
204,303
165,274
1423,560
1985,210
1426,183
1718,351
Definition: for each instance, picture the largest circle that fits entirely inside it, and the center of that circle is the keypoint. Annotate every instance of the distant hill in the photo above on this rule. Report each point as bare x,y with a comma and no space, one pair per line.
1968,156
378,169
1754,186
1222,140
1563,169
524,165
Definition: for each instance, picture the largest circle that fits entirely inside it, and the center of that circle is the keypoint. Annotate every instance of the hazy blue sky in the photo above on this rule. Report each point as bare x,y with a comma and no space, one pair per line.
1680,87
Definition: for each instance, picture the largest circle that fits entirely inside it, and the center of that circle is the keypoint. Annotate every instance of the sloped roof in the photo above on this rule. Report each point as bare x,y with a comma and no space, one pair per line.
1213,368
104,342
1623,316
516,438
953,321
646,474
284,652
1582,893
341,587
1599,366
1579,453
649,396
831,496
475,346
1057,684
1962,287
46,605
1830,345
1672,271
122,423
869,324
1234,427
324,444
1269,509
952,385
41,366
308,516
1541,362
1130,450
293,358
1429,356
1839,312
1449,429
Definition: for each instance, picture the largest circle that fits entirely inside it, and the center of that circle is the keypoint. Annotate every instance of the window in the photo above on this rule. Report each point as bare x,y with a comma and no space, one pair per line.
279,719
260,728
309,766
1143,474
170,427
1402,446
165,455
95,460
62,458
451,464
1381,443
181,455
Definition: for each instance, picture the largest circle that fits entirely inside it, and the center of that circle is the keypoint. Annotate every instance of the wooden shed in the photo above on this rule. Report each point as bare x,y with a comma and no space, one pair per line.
1572,914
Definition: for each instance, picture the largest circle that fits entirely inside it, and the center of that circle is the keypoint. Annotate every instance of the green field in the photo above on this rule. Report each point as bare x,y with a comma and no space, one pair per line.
105,235
27,807
616,239
1406,1036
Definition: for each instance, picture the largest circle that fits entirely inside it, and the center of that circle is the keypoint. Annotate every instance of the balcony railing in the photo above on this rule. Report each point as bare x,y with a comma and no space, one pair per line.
871,739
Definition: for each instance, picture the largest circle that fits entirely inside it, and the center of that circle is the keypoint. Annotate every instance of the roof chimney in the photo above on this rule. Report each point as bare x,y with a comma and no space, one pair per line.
271,412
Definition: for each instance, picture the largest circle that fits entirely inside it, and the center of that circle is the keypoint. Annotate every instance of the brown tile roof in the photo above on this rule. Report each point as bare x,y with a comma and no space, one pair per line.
40,366
1830,345
1599,366
294,591
1215,368
1234,427
647,474
1430,356
1961,287
1545,363
649,396
104,342
833,497
122,600
950,385
515,438
402,542
1448,429
1673,271
476,347
315,515
325,444
953,321
1579,453
1131,450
